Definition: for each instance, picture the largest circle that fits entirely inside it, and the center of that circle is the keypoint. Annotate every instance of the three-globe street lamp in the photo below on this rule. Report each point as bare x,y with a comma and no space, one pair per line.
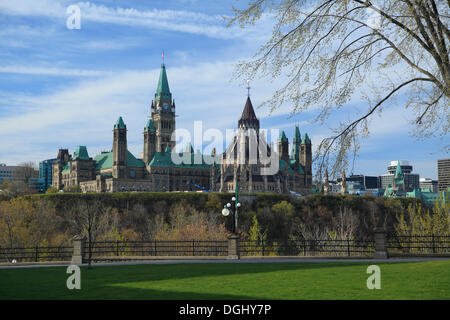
226,211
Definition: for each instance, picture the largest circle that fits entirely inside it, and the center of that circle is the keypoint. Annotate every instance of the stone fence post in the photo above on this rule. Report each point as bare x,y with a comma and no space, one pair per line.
233,247
79,250
380,244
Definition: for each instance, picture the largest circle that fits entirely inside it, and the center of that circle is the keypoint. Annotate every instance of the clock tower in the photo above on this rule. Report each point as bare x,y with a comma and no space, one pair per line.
163,113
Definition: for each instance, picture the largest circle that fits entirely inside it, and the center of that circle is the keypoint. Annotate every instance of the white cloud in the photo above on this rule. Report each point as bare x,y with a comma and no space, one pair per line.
33,8
184,21
51,71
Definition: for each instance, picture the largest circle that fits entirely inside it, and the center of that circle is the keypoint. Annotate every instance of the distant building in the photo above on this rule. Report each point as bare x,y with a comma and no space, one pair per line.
119,170
397,188
36,185
369,182
428,197
46,173
443,174
13,173
7,172
410,180
428,184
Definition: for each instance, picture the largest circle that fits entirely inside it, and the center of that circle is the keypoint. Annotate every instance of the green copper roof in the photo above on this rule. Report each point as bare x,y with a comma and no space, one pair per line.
283,164
306,139
388,192
297,136
150,126
66,167
429,198
292,166
293,163
399,174
105,161
416,193
398,171
119,124
133,162
163,90
282,137
81,153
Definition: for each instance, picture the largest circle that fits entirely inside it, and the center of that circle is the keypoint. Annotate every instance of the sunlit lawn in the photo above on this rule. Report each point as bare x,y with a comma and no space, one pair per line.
424,280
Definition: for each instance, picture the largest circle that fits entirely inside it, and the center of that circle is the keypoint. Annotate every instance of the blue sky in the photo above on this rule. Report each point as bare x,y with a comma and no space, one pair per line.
63,88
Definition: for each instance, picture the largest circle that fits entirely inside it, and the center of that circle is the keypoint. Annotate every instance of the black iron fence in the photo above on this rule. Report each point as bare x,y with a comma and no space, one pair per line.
308,247
415,245
159,248
36,254
418,245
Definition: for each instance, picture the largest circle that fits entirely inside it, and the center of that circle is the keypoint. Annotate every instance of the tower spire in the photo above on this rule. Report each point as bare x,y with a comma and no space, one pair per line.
163,90
248,88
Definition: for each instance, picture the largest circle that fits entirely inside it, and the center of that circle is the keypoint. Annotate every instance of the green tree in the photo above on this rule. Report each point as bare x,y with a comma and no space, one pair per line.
255,232
440,220
284,208
257,236
52,190
326,52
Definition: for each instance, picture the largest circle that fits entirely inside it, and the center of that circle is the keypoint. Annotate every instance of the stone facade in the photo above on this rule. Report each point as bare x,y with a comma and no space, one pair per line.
251,165
119,170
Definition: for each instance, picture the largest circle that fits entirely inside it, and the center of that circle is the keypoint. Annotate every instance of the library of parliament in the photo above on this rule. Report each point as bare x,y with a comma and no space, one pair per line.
119,170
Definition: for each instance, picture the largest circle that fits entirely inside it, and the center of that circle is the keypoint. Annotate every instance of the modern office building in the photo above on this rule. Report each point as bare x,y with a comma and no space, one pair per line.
411,180
369,182
7,172
14,173
46,173
443,174
428,184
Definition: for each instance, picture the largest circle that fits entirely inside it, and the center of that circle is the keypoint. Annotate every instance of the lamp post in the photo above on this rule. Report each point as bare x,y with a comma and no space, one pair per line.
228,208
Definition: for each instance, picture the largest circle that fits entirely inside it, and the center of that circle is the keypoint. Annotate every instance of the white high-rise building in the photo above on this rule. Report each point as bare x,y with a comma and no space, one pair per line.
411,179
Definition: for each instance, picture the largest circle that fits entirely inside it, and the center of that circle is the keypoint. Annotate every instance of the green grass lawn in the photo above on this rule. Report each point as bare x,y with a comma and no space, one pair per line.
419,280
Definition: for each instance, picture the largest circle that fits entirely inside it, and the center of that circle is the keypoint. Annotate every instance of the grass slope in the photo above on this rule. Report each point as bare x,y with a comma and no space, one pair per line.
421,280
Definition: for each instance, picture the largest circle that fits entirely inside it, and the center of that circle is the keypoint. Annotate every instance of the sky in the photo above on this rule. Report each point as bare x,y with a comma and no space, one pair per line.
61,87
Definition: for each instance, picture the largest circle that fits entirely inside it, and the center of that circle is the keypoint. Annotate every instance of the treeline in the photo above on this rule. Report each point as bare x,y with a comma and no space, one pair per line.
53,219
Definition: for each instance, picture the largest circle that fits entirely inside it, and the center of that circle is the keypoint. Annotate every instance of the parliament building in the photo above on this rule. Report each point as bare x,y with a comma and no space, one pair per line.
119,170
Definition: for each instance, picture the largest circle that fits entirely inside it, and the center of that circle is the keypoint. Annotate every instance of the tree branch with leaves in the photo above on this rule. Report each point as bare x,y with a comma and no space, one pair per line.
328,53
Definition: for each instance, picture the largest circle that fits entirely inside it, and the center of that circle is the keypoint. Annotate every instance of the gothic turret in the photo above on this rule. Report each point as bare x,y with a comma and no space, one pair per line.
283,147
149,142
295,154
399,178
163,91
306,154
163,113
119,149
248,118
